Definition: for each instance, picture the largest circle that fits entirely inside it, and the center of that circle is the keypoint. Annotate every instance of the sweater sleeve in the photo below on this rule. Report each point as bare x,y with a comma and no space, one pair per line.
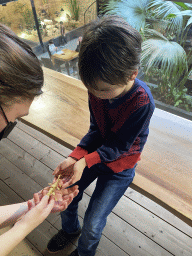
90,142
121,141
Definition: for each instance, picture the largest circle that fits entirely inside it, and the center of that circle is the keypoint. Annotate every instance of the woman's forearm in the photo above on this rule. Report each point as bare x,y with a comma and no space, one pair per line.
15,235
9,214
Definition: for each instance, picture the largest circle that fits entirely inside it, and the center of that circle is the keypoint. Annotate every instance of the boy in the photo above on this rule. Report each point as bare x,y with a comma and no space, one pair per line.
120,110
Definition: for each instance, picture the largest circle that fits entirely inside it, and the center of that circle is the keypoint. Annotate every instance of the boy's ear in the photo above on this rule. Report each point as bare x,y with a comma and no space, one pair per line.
134,75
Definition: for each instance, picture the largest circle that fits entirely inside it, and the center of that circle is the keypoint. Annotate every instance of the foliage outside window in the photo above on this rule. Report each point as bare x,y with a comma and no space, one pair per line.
166,29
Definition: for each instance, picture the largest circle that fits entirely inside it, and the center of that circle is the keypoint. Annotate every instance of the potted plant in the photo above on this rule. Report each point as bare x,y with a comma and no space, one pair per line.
164,27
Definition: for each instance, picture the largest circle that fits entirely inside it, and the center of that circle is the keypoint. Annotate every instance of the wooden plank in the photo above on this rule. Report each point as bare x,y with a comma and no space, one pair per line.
124,235
152,207
52,159
41,236
26,162
163,234
105,247
132,241
44,139
12,176
148,218
7,195
126,242
162,196
23,248
11,145
159,211
151,225
29,144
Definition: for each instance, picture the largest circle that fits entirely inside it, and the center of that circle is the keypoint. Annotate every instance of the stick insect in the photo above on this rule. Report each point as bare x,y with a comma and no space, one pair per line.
54,187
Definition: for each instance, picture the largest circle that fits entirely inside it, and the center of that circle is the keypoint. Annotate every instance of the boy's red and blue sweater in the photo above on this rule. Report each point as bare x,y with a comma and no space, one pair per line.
118,130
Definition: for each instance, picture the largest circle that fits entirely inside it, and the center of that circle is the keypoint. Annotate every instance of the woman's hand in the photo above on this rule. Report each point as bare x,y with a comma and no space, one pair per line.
36,215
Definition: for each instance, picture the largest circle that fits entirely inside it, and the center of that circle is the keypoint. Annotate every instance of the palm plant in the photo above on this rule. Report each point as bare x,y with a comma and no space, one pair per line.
164,26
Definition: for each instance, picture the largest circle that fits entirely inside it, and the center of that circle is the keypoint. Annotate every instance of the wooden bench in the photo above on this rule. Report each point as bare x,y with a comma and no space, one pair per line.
164,173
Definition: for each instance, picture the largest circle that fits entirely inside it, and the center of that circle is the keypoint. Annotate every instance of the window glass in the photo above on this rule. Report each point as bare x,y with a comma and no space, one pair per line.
166,29
61,21
18,15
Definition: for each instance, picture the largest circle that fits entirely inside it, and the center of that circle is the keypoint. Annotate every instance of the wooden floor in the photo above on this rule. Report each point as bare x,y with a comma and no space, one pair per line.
137,226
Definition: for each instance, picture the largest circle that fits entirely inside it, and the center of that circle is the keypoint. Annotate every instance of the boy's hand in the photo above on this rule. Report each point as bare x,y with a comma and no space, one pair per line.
70,169
65,169
79,167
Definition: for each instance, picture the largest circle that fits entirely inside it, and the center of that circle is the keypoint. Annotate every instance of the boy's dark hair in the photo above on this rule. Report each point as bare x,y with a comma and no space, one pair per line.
21,74
110,51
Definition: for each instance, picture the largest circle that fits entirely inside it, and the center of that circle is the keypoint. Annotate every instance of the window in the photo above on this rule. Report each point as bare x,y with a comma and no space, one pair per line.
166,28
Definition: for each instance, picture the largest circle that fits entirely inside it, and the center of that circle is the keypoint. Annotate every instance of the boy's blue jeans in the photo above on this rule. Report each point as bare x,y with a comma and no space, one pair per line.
109,189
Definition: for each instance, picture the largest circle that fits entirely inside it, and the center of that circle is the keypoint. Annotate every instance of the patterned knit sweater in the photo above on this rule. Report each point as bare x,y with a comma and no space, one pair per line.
118,129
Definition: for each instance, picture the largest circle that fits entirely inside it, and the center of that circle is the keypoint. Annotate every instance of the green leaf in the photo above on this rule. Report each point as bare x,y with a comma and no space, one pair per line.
168,55
183,13
189,22
134,12
154,34
177,103
171,16
182,5
163,9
